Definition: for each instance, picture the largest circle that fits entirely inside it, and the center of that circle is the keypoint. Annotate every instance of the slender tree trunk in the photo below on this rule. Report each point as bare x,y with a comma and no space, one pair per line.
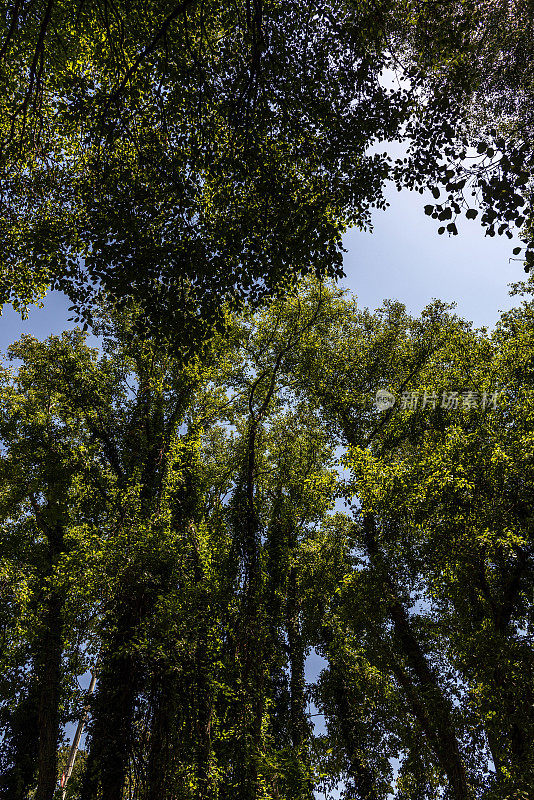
49,690
35,726
203,703
250,635
203,691
159,740
357,770
119,681
21,749
429,705
298,721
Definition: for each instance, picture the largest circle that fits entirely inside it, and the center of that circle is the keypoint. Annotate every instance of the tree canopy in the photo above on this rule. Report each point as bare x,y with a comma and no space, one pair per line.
194,531
251,471
191,157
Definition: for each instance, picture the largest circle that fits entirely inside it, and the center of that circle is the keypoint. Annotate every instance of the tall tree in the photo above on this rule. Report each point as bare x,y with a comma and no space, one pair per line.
44,458
206,550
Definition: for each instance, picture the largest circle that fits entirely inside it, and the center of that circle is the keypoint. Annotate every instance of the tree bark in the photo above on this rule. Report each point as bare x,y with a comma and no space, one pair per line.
113,709
298,722
427,701
357,770
49,690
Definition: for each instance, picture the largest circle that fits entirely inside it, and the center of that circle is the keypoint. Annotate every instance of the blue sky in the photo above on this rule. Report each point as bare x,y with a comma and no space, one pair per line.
403,259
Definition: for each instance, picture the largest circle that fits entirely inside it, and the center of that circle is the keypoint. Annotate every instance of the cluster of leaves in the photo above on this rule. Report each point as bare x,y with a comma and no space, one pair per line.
186,155
189,156
480,53
194,528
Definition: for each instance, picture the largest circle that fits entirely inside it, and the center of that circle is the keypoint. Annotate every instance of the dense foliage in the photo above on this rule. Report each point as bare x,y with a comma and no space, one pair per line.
186,157
193,532
217,497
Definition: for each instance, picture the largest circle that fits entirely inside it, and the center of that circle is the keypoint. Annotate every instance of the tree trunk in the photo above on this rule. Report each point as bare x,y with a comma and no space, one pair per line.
357,770
120,679
428,703
298,722
49,690
21,748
